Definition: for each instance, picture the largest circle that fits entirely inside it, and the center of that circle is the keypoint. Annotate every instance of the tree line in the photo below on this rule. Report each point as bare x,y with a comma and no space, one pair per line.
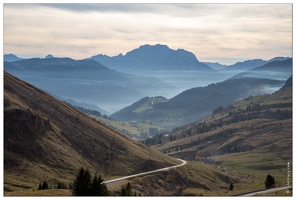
252,111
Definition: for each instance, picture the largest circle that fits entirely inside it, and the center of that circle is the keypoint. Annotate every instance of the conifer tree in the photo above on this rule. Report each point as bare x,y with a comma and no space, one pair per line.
40,186
82,183
123,191
127,190
45,185
98,187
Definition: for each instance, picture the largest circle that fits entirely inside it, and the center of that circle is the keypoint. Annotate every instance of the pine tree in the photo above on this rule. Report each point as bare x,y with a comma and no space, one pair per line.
82,183
40,186
123,191
98,187
45,185
127,190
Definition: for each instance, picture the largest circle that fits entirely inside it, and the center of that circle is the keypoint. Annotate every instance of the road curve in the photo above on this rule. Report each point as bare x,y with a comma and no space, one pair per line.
184,162
287,188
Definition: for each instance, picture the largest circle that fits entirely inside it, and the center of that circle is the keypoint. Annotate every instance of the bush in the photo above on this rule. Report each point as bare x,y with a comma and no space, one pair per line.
160,182
269,181
231,187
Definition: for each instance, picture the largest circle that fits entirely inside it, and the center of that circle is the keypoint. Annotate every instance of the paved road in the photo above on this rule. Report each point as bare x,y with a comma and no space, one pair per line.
112,182
287,188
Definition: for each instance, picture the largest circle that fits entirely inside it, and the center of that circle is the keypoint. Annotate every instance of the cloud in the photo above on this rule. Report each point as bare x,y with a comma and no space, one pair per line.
228,31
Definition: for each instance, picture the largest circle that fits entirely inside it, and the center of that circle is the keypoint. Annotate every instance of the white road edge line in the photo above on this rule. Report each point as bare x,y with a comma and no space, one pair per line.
184,162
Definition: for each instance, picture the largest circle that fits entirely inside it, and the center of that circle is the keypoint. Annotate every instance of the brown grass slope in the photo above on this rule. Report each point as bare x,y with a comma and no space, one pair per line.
45,139
251,138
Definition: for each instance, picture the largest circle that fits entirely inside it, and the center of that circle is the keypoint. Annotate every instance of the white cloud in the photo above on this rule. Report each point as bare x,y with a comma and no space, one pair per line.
220,31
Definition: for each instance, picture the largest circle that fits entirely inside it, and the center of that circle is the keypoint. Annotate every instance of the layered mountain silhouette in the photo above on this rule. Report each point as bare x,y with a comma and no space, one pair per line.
195,103
46,139
178,67
240,67
279,70
87,81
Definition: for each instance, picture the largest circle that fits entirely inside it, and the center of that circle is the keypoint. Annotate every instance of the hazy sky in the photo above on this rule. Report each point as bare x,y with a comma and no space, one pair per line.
225,33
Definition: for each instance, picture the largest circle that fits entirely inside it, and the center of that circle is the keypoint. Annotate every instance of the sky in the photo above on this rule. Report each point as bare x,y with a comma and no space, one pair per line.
224,33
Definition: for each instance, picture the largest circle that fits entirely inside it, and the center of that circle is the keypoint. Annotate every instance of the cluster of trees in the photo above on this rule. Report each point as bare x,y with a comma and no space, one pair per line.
257,106
221,109
268,114
86,111
252,111
45,186
84,185
157,139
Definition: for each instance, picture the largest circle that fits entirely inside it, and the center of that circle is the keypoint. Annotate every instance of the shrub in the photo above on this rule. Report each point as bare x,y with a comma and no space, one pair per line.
231,187
160,182
269,181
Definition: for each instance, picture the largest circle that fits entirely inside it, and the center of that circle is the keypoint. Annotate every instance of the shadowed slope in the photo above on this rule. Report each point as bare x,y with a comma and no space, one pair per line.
46,139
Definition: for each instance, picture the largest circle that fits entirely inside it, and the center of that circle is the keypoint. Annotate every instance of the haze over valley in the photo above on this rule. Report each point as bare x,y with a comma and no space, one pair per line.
147,99
150,70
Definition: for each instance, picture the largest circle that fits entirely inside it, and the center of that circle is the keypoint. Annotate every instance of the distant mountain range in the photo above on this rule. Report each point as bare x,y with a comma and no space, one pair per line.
239,67
87,81
279,70
195,103
11,57
179,68
153,57
150,70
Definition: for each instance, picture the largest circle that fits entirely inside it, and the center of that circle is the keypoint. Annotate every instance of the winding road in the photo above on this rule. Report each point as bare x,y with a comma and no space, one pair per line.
113,181
184,162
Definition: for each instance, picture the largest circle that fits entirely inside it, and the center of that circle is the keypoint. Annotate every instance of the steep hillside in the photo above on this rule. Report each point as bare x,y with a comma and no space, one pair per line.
46,139
253,137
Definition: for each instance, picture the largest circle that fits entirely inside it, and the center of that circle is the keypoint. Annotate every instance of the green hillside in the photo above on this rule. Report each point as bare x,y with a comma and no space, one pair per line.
249,139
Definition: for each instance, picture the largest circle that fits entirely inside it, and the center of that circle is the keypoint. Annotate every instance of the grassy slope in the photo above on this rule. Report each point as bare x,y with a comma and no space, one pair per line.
193,175
271,141
45,139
